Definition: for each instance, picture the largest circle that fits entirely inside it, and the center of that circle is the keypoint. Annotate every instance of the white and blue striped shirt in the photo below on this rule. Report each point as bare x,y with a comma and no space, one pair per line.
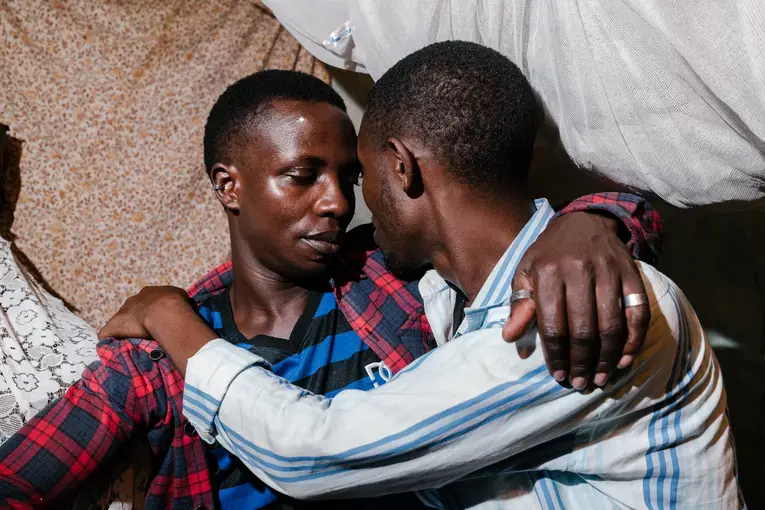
482,428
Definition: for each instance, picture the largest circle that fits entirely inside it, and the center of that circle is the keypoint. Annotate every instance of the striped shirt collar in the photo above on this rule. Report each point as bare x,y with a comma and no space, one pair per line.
497,287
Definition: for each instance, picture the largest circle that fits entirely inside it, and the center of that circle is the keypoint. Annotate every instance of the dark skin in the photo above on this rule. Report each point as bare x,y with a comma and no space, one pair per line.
289,199
420,215
293,179
288,196
576,299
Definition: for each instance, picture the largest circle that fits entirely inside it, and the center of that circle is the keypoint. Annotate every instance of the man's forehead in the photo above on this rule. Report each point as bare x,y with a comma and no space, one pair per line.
282,114
299,124
293,132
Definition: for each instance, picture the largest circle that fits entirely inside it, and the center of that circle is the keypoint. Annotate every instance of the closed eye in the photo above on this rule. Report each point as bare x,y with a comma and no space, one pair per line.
302,175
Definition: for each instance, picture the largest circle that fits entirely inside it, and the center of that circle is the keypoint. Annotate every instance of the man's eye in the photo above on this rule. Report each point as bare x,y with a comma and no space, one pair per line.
302,176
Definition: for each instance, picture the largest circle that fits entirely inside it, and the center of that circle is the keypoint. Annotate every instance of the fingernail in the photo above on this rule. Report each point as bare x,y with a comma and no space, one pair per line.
601,379
524,352
579,383
625,361
559,375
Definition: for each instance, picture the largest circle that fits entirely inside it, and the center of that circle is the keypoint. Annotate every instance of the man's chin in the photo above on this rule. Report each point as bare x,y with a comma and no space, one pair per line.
401,270
313,275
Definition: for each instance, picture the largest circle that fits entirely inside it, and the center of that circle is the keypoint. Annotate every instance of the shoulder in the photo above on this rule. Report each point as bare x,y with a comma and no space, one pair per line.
671,312
213,282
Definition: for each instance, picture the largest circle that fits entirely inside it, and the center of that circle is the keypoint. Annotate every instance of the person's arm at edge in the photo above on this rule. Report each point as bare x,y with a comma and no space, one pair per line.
59,448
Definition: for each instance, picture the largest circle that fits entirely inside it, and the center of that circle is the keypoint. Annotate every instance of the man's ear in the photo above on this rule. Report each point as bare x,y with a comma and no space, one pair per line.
225,180
407,168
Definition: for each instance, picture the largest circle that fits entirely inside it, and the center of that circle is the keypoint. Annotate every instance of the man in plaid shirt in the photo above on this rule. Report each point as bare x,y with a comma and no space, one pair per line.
287,217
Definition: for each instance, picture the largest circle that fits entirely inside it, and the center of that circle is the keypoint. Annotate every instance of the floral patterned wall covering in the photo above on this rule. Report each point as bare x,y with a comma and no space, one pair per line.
109,101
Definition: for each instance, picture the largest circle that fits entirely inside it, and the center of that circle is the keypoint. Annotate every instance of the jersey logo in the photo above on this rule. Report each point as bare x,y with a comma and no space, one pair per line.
379,373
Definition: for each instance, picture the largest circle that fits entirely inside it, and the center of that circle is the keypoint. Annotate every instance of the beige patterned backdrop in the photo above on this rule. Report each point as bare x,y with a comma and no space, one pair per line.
107,101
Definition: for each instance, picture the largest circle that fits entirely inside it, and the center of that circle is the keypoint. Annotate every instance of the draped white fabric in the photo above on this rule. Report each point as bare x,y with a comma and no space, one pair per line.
664,96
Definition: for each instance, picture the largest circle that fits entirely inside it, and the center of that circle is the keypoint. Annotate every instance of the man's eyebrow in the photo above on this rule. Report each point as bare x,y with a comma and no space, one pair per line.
312,161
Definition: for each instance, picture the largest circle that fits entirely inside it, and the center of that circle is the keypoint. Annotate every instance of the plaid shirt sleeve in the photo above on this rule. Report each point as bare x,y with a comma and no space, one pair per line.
132,389
639,218
59,448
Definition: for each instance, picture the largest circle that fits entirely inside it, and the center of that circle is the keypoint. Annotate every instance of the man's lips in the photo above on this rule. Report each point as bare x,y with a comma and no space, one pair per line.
327,243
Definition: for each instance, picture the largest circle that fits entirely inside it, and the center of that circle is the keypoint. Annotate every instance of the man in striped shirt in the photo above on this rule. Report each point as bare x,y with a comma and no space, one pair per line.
445,143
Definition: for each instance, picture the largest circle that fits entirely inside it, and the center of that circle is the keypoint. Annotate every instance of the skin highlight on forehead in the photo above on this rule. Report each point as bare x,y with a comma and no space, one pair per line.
288,131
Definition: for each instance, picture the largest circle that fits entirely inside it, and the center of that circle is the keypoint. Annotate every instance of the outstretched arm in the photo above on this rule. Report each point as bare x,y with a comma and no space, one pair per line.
467,405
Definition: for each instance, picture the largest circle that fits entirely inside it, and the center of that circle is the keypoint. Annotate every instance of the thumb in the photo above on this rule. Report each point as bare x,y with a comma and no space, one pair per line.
109,328
522,312
121,326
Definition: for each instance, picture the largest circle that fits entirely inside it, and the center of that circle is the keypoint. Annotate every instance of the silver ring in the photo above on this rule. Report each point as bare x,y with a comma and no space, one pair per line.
634,300
520,294
219,188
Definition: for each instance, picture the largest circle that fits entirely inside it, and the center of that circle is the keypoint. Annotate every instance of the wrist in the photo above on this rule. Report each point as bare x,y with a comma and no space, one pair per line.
165,313
182,335
605,222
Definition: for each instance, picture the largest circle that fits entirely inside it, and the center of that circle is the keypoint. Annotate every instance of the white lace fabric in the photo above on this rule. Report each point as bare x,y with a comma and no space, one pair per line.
45,347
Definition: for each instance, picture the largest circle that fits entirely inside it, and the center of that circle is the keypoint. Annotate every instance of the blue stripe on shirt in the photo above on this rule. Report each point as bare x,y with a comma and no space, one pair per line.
480,415
311,359
333,348
404,433
327,304
677,387
407,447
245,496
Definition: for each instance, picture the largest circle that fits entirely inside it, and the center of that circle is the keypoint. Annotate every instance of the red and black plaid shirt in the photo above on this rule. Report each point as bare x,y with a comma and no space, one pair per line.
134,391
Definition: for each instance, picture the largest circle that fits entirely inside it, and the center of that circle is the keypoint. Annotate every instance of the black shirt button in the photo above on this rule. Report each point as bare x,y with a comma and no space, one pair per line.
156,354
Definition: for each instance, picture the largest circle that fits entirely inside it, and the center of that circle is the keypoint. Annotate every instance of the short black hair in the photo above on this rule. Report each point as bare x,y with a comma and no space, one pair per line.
238,107
467,103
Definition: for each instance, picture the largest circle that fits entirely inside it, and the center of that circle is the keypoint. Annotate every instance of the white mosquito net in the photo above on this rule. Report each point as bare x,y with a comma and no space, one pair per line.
664,96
